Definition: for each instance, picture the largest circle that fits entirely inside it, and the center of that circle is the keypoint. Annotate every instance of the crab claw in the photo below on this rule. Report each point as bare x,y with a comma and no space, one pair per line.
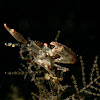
67,56
15,34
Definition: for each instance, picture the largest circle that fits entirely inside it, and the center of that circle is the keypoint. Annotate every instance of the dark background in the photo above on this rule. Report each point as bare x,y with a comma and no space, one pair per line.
77,21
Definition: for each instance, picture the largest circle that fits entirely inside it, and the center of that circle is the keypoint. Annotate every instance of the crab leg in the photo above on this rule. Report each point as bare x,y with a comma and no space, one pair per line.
66,55
16,35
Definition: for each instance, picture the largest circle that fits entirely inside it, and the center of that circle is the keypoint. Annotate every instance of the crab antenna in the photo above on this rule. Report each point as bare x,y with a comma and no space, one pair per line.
16,35
57,36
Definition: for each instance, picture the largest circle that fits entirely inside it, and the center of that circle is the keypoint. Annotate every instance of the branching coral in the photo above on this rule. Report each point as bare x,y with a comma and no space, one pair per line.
87,88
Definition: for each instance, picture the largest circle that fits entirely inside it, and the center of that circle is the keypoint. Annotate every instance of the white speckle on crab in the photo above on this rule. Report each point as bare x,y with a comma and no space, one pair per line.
9,44
13,45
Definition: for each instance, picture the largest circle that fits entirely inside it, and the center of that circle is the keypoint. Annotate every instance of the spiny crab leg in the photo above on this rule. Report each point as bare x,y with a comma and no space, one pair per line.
66,55
16,35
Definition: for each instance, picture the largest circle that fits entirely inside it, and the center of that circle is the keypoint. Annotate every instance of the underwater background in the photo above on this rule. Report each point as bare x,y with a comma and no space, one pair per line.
40,20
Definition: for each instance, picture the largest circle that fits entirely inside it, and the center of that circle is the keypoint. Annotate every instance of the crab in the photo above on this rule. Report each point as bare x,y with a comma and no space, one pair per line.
44,55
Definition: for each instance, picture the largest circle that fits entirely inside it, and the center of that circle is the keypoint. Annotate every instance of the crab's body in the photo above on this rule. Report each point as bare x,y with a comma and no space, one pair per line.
42,54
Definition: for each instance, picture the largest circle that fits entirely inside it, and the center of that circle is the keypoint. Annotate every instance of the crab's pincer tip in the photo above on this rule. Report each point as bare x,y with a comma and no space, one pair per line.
5,24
